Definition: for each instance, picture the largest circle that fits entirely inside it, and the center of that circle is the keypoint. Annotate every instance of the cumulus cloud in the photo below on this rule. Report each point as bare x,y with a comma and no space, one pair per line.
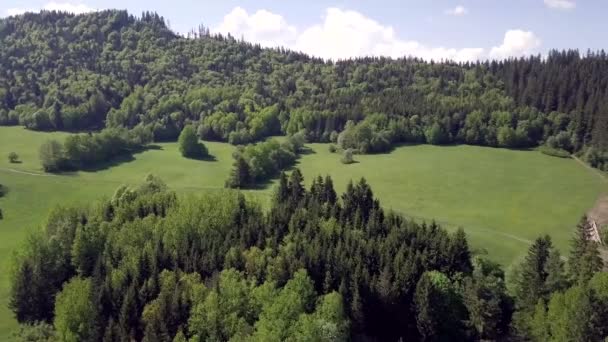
516,43
76,8
341,34
561,4
262,27
457,11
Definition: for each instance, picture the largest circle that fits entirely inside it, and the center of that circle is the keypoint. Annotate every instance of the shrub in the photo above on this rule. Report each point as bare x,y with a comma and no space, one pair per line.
555,152
52,156
189,145
332,148
13,157
347,157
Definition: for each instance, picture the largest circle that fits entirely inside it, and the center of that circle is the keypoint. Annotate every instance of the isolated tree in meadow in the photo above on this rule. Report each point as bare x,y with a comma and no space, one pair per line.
13,157
189,145
347,157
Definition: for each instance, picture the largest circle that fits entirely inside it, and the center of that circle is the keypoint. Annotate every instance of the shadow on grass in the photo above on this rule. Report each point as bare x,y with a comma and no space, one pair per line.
307,150
208,158
123,158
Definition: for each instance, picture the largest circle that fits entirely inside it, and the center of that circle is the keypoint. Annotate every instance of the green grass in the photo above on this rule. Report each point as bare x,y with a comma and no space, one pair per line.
503,198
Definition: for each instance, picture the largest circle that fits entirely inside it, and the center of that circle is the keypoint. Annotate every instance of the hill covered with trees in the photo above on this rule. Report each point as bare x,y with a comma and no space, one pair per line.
110,69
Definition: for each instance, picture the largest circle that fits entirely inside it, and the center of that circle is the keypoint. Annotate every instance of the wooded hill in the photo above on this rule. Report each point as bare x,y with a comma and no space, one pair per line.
109,69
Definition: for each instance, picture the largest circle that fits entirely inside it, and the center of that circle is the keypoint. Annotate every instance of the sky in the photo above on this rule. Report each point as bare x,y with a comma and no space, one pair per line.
432,29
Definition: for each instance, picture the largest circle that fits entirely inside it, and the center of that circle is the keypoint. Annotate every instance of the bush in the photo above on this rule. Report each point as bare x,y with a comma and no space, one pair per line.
52,156
347,157
333,137
13,157
555,152
561,141
332,148
597,158
189,145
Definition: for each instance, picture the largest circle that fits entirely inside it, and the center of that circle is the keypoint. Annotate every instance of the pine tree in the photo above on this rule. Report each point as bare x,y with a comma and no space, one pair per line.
296,188
22,300
282,192
240,176
530,285
556,276
329,191
459,254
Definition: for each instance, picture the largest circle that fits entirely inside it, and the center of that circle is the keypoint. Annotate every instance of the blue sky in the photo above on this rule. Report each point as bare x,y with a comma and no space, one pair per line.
455,29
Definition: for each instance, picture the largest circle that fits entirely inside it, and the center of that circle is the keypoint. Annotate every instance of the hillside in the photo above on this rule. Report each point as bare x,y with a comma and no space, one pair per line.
109,69
361,213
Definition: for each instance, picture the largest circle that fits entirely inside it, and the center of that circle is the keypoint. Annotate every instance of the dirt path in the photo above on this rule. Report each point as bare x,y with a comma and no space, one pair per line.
26,173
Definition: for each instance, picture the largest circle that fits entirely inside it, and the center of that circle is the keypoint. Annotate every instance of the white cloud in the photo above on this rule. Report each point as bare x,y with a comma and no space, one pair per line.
262,27
457,11
77,8
68,7
516,43
342,34
561,4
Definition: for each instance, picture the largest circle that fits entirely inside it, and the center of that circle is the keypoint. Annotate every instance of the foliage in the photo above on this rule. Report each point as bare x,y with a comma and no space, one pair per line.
125,71
266,289
259,162
13,157
189,146
466,167
39,332
52,156
75,312
81,151
550,151
347,156
578,314
597,158
584,260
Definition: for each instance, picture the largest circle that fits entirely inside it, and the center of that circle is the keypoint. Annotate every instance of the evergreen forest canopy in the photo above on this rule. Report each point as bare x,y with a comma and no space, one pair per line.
148,265
112,70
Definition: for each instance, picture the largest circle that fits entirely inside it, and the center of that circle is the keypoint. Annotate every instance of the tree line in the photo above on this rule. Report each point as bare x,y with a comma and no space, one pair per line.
113,69
86,151
149,265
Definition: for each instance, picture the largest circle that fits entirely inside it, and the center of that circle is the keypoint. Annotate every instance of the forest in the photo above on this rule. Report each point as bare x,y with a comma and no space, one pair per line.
147,264
110,69
151,264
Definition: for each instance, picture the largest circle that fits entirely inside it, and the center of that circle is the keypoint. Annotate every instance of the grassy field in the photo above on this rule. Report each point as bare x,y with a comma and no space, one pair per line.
502,198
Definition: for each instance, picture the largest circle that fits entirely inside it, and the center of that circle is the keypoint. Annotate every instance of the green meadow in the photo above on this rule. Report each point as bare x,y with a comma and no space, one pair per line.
502,198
